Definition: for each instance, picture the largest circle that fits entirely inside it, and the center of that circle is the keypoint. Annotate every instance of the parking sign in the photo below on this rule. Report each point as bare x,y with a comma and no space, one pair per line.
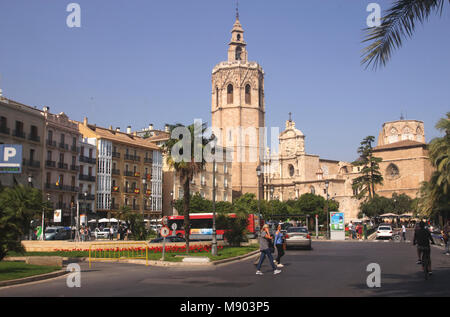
11,158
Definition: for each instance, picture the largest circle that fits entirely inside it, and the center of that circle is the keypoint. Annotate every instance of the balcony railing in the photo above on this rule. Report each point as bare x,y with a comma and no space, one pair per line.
64,146
49,163
74,168
132,157
19,134
128,173
148,160
114,206
60,187
88,178
34,138
33,163
116,154
4,130
75,149
63,166
88,160
115,172
88,197
51,143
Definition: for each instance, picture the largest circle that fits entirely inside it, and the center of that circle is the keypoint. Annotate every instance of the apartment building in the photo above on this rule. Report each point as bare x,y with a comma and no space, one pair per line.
129,171
22,124
61,168
87,177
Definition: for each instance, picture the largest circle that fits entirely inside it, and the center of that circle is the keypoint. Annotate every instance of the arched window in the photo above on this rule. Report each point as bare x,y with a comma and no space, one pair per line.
312,190
230,94
238,53
392,171
291,170
217,96
248,95
238,37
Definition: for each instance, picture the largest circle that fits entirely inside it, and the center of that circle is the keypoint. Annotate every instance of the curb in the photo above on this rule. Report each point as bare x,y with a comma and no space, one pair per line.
33,278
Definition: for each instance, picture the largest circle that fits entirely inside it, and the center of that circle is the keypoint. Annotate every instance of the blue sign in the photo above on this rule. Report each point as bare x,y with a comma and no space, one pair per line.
11,158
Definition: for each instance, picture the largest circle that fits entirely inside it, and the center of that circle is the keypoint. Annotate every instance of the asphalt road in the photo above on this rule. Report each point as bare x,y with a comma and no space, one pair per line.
330,269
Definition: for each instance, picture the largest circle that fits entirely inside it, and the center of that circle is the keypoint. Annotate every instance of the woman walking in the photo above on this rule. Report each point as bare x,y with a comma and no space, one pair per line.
264,247
279,240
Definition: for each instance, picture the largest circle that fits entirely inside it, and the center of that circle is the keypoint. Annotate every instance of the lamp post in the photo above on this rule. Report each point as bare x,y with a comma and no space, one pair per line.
85,206
326,210
144,189
271,192
43,219
214,232
258,174
30,180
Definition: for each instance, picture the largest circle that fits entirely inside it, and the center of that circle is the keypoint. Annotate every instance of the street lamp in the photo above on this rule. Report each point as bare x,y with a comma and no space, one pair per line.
271,192
85,206
214,233
30,180
326,210
144,189
258,174
43,219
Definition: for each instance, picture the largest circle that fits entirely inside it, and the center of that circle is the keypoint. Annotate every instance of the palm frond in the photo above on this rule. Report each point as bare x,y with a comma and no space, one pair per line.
398,23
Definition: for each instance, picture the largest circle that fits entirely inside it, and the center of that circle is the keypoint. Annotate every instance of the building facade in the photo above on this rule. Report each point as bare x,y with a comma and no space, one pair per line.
87,177
129,171
21,124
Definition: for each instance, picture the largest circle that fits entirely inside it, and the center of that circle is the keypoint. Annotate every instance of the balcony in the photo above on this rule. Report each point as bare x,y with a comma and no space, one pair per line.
115,172
63,146
19,134
87,178
74,168
51,143
49,163
114,206
64,188
4,130
115,154
148,160
34,138
88,197
88,160
63,166
32,164
135,191
132,158
75,149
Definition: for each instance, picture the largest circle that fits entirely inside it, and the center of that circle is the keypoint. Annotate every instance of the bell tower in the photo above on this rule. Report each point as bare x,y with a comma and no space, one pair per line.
238,111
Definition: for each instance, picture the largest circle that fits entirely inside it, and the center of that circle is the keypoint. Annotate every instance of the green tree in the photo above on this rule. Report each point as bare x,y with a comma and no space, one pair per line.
176,150
134,221
398,23
18,206
365,184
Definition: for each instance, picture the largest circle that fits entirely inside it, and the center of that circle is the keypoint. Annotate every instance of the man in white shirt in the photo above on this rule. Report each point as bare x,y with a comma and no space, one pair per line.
404,232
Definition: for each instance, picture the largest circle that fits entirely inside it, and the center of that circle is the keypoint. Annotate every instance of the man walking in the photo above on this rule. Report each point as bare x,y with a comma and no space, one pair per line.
446,235
404,232
264,247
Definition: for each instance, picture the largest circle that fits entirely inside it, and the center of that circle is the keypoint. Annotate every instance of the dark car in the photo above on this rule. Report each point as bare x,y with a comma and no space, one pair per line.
168,239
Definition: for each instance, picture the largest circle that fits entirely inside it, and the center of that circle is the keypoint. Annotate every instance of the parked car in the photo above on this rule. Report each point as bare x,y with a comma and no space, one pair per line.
384,231
168,239
103,233
57,233
298,237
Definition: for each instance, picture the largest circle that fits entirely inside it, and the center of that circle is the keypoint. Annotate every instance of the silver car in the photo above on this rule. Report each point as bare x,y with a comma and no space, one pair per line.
298,237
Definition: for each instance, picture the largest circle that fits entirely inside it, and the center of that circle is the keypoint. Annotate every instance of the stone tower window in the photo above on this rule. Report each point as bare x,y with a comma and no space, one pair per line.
392,171
248,96
238,37
230,94
238,53
291,170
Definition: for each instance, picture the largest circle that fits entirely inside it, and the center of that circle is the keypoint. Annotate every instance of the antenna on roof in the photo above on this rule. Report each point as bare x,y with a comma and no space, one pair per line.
401,116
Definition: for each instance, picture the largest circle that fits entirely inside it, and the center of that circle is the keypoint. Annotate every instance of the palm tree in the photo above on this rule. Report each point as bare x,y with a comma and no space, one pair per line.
400,22
186,168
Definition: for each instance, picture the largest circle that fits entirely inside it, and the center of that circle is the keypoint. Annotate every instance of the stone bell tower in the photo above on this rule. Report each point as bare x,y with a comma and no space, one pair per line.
238,111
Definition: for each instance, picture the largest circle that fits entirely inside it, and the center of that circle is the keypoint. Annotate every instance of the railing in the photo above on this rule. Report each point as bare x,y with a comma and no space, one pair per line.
35,164
75,149
148,160
131,157
64,146
63,166
51,143
88,160
74,168
4,130
117,251
34,138
49,163
128,173
88,178
88,197
64,188
19,134
116,154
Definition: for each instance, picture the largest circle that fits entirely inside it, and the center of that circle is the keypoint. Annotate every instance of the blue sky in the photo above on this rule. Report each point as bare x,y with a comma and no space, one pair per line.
143,61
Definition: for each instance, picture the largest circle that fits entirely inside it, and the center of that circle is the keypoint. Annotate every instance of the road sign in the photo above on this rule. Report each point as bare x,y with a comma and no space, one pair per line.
164,232
11,158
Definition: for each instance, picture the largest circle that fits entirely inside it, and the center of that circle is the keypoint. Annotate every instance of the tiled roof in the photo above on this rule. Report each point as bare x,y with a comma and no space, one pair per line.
400,144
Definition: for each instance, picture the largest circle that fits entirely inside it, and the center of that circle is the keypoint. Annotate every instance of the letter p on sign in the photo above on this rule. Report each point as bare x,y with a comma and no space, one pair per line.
9,153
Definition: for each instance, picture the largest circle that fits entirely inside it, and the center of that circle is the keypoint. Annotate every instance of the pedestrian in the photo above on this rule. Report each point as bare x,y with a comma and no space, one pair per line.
82,234
350,230
365,231
404,232
359,231
279,244
264,247
111,233
446,236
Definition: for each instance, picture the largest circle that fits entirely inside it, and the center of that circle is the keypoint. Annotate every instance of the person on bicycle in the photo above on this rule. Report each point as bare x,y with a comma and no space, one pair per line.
422,238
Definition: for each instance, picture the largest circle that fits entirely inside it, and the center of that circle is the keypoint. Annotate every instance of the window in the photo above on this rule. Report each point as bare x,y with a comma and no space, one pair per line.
31,155
312,190
238,37
248,96
238,53
3,122
392,171
230,94
291,170
62,138
49,155
34,131
50,135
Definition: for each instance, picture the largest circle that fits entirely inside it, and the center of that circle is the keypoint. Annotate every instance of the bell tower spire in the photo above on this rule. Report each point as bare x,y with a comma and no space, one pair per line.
237,51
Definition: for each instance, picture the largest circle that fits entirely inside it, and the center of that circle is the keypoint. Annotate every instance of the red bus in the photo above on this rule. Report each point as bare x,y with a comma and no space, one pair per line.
201,226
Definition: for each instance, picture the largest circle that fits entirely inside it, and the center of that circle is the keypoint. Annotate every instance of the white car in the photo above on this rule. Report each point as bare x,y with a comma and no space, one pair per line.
384,231
102,234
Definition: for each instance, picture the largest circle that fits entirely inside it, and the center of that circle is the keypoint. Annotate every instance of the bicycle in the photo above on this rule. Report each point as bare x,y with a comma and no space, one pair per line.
426,261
